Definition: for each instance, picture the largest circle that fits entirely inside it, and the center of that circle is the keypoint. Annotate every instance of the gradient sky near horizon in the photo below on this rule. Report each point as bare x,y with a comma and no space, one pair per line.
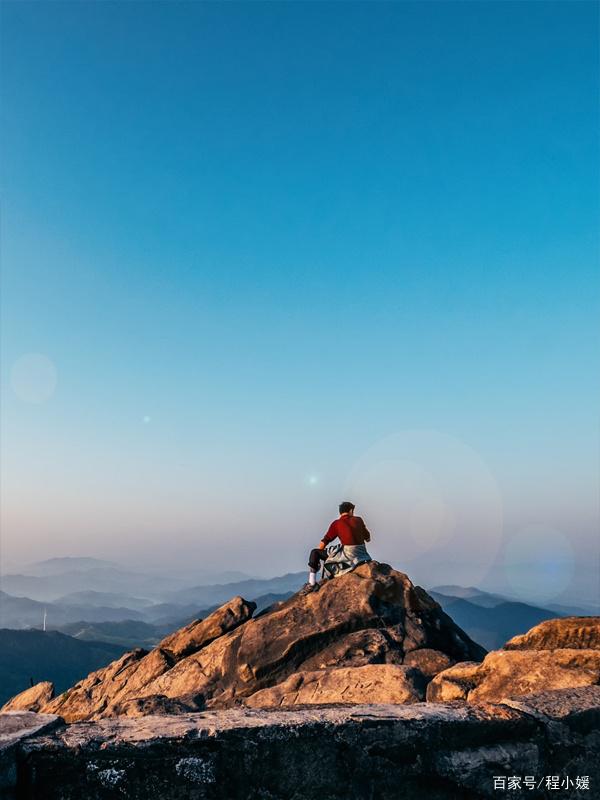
257,257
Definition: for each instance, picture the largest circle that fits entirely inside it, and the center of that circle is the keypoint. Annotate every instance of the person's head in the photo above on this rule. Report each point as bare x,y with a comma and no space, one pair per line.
346,507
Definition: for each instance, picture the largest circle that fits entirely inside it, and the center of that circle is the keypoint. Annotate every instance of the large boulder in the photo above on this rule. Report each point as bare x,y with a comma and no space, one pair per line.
570,633
201,632
453,683
513,673
556,654
357,649
374,683
31,699
306,631
105,692
373,615
428,662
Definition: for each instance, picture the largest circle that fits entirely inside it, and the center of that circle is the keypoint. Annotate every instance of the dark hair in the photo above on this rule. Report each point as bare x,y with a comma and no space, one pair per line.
346,506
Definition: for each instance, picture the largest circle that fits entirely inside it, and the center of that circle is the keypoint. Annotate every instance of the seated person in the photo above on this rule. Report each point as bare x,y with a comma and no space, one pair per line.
352,533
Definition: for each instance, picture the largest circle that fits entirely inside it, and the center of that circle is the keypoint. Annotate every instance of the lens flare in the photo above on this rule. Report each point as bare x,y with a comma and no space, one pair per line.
431,501
33,378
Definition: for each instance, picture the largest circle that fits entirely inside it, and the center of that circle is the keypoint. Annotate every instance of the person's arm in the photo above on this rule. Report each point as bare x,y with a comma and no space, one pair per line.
329,537
366,532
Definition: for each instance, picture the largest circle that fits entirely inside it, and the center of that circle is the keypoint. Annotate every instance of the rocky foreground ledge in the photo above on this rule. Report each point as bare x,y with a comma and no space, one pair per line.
360,752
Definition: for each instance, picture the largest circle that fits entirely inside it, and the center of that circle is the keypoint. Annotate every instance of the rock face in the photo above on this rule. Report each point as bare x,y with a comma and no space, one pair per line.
569,633
453,683
393,752
375,683
556,654
15,728
110,690
198,634
373,615
514,674
31,699
429,662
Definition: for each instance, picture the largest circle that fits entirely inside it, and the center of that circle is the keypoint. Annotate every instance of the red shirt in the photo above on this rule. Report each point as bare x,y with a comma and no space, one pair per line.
349,530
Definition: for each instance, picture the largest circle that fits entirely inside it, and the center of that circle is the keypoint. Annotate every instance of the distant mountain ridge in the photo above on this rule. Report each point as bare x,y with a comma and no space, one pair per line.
48,588
126,633
22,612
97,596
219,593
134,633
492,625
58,566
154,586
32,655
106,599
471,593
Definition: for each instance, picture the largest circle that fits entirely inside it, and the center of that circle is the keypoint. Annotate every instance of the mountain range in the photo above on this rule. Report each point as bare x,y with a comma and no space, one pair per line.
134,633
48,581
163,603
492,625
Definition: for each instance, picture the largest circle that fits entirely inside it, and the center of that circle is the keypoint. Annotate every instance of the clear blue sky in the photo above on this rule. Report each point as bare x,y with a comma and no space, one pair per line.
254,240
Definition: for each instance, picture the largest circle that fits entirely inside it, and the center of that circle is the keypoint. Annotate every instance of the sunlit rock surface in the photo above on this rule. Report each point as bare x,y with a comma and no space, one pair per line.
31,699
556,654
371,616
567,633
381,683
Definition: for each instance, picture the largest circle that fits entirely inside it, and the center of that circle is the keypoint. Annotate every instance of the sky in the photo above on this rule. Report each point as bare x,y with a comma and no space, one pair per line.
258,258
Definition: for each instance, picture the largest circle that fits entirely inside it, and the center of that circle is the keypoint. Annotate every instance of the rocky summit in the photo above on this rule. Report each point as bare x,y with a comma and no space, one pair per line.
367,636
364,689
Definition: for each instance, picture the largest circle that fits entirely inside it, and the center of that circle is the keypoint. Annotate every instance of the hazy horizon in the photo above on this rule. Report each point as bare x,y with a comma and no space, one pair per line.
581,591
261,258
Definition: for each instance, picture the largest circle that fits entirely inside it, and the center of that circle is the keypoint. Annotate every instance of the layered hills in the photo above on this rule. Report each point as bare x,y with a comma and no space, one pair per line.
28,657
100,601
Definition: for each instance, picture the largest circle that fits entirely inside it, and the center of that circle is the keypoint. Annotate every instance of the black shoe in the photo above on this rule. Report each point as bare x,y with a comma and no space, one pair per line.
308,588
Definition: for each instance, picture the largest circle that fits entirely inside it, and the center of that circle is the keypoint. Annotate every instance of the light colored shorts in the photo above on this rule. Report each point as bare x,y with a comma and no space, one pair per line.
354,553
